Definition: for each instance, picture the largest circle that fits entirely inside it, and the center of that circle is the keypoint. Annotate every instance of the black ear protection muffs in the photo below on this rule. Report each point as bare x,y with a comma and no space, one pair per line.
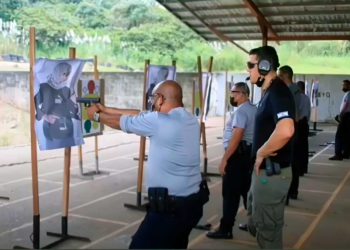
264,67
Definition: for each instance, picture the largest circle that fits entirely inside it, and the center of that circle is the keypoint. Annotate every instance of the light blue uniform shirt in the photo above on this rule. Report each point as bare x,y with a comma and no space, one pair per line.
243,117
174,154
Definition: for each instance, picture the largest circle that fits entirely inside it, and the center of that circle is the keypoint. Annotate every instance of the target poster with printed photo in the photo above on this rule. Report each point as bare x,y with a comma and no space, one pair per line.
206,93
58,115
157,74
314,100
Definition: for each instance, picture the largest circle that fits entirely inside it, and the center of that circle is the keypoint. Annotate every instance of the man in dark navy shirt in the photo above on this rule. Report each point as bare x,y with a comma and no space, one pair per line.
272,149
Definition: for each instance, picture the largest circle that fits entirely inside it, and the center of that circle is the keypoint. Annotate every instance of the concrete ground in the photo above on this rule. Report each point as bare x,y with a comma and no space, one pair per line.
319,219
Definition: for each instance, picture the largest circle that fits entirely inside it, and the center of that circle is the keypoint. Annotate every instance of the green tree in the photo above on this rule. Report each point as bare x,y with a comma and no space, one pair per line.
51,23
187,56
8,8
156,40
229,58
132,13
92,16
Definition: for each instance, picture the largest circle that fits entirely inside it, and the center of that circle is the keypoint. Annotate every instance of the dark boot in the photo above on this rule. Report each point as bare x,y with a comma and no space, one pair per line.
243,227
219,234
336,158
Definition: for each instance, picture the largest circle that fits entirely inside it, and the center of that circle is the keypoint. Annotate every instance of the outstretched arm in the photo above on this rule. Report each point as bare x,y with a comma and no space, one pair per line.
116,111
110,116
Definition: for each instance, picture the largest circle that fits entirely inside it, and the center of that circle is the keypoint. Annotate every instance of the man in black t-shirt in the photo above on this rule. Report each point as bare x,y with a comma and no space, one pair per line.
271,151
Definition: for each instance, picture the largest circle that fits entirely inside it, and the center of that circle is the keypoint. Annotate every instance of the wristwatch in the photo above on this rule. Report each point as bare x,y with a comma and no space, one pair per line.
97,117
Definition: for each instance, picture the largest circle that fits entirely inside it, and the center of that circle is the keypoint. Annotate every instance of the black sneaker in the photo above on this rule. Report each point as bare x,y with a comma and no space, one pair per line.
293,196
243,227
336,158
220,235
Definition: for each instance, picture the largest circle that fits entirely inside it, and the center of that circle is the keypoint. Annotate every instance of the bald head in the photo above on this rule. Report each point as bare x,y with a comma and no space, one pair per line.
172,92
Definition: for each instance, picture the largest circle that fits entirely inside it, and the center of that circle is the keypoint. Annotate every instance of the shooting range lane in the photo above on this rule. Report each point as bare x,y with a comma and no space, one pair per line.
96,206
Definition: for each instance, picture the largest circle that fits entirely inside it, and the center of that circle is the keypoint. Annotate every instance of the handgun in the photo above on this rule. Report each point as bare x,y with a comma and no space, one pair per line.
272,168
268,167
87,101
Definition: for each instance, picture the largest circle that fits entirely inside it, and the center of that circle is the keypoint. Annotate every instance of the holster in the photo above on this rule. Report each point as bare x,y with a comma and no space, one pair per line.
204,191
244,148
272,168
161,202
158,199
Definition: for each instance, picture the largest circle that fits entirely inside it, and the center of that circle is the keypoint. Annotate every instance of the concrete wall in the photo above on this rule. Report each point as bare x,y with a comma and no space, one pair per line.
330,94
124,90
329,97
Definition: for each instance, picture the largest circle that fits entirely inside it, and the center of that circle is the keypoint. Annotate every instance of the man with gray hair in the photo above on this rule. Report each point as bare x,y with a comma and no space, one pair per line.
235,166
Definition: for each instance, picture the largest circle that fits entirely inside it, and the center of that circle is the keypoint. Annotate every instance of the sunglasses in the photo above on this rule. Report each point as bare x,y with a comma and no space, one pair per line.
153,97
251,65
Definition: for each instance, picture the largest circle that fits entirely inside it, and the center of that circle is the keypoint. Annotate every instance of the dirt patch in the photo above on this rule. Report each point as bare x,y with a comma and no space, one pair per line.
14,66
15,126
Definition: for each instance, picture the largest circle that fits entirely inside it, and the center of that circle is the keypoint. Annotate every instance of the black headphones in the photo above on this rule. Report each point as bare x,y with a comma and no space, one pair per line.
264,67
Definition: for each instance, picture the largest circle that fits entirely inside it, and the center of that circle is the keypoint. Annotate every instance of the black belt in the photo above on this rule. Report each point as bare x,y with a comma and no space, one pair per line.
161,202
244,147
183,199
245,143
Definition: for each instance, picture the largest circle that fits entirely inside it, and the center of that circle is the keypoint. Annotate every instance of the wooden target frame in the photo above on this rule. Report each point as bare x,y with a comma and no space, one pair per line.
142,155
202,122
90,174
34,165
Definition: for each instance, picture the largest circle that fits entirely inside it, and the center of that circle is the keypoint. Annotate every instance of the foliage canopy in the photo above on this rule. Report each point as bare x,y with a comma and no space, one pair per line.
123,33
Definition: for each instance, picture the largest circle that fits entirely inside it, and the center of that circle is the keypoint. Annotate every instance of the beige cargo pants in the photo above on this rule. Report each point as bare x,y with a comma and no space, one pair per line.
266,202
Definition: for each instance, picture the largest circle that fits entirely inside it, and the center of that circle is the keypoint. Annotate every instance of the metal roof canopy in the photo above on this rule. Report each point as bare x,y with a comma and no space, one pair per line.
266,20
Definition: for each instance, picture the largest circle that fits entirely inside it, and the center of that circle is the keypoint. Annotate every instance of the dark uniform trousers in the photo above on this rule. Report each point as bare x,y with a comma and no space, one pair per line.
342,136
170,228
300,159
303,145
235,183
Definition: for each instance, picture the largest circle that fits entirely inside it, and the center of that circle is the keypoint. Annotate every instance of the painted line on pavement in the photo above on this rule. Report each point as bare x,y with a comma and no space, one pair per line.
99,219
50,181
319,153
202,235
59,189
70,210
245,242
315,191
134,193
111,234
307,234
59,171
300,213
322,164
